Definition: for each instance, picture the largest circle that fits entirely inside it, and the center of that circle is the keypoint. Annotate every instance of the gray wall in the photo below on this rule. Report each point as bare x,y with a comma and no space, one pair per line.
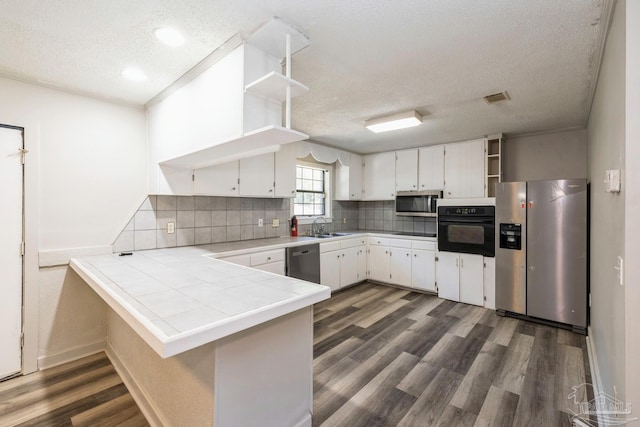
556,155
606,142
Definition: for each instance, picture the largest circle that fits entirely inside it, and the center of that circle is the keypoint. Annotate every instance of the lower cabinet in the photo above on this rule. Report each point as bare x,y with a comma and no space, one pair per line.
460,277
400,266
344,266
379,263
271,261
423,269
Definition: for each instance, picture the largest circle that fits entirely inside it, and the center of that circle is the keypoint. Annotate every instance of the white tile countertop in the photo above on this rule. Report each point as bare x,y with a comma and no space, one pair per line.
180,298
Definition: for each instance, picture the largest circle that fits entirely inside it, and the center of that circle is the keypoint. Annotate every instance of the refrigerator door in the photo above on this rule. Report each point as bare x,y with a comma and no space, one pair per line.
557,251
511,264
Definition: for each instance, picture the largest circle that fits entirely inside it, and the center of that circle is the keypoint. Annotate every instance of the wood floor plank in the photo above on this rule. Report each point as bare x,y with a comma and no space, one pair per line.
570,338
569,376
356,407
332,321
461,352
387,410
429,303
433,401
331,357
328,343
416,381
453,416
382,293
380,340
396,295
383,311
513,370
499,409
526,328
475,386
93,415
470,319
503,331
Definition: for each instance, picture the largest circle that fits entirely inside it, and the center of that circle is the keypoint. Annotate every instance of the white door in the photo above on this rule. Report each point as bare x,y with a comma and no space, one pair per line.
423,270
257,176
362,263
10,251
285,173
379,263
380,176
407,170
349,266
448,276
355,177
471,279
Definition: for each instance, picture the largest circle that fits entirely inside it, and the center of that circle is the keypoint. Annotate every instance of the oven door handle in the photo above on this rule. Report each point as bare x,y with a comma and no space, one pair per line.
466,221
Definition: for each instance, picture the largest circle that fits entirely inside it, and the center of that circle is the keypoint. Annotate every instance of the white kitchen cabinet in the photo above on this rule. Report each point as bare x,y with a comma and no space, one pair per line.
423,269
431,168
349,266
349,179
460,277
380,176
285,171
272,261
400,266
330,269
407,170
217,180
464,169
379,263
490,283
256,176
362,263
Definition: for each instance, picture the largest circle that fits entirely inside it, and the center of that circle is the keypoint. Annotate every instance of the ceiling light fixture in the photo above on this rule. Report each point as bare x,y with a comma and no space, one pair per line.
134,74
397,121
169,36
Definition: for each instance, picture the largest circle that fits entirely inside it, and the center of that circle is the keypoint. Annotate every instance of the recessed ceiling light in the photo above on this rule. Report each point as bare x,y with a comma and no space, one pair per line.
134,74
169,36
397,121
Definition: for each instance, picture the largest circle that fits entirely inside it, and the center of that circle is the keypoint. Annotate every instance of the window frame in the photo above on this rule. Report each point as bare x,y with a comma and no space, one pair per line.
328,169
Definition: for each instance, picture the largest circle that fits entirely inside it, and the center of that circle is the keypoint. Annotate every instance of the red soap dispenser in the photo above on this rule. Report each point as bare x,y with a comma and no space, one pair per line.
294,226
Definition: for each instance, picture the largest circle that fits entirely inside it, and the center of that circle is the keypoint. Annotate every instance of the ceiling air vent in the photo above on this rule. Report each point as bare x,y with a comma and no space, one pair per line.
496,97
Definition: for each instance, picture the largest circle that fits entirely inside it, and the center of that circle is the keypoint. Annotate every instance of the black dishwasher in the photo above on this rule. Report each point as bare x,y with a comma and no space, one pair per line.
303,262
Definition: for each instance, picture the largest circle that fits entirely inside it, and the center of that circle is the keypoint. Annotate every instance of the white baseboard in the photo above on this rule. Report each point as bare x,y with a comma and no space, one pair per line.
142,400
305,422
594,367
74,353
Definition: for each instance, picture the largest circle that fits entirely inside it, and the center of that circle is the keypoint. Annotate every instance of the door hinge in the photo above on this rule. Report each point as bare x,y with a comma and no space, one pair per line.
485,298
23,154
589,300
484,264
193,177
22,248
437,259
22,340
238,181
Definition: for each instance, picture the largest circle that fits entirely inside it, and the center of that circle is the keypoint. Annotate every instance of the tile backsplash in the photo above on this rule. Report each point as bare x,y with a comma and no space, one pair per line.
201,220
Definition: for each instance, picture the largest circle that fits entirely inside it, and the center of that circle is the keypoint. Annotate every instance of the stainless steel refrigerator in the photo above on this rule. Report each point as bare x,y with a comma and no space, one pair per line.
541,250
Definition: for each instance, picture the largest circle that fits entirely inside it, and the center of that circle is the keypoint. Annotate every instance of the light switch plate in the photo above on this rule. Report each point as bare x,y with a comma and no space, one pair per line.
260,222
612,181
171,227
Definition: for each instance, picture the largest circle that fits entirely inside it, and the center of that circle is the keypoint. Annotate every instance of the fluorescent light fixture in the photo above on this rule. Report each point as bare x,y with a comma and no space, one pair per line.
134,74
169,36
397,121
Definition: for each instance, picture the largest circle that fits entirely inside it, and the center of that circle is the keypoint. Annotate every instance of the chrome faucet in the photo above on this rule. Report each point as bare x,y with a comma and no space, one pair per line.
316,228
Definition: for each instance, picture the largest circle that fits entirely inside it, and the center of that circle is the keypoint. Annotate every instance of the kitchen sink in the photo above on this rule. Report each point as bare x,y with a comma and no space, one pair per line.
329,235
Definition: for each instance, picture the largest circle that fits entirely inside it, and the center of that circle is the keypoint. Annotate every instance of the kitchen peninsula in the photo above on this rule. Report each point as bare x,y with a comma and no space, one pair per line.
200,341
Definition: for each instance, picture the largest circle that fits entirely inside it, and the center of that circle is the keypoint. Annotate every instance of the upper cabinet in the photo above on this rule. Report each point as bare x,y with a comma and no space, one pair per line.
464,169
349,179
407,170
379,176
238,107
285,173
431,168
256,176
218,180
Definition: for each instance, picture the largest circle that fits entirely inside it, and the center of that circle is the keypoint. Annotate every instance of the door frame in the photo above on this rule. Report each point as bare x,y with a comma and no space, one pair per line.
30,213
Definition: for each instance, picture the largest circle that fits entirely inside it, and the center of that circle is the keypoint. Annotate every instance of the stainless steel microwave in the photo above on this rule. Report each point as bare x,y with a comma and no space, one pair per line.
417,203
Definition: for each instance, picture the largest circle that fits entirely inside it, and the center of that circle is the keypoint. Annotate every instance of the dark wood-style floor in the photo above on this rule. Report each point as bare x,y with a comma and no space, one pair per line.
382,357
392,357
86,392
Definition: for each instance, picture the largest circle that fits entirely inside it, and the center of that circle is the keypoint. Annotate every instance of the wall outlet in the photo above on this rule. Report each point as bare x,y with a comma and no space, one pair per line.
275,223
260,222
171,227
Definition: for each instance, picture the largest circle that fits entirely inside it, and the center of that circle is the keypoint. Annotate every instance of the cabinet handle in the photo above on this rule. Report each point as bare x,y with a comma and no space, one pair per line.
457,263
422,185
268,258
293,191
462,263
338,256
407,254
233,188
415,255
342,255
271,190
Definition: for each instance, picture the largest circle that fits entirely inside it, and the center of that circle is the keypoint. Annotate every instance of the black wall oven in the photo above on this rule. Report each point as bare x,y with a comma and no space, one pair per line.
467,229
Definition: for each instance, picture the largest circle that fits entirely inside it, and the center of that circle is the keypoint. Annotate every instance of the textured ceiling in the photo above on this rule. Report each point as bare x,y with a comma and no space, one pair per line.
367,58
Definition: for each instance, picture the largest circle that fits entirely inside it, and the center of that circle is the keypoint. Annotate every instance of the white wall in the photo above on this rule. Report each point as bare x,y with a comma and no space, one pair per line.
606,142
632,205
556,155
89,157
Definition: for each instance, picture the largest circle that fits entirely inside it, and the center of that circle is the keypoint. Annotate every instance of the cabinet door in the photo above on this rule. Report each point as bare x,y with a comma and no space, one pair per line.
349,266
362,263
379,263
400,266
471,279
423,270
276,267
355,177
407,170
285,171
330,269
256,176
217,180
431,168
380,176
490,283
447,276
464,169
